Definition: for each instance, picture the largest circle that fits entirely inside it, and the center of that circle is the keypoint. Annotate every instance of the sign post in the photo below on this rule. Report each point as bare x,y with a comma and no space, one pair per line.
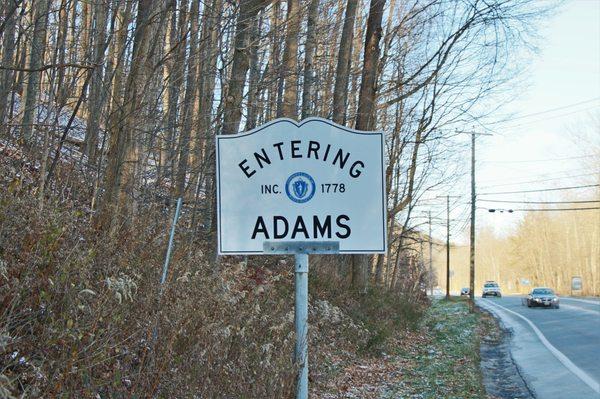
289,188
301,250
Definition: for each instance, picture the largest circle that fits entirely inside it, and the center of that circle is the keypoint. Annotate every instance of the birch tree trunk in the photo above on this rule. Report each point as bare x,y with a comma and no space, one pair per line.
273,63
254,76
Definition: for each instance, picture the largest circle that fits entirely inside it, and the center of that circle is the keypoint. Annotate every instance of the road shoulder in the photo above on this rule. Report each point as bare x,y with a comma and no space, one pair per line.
501,376
543,373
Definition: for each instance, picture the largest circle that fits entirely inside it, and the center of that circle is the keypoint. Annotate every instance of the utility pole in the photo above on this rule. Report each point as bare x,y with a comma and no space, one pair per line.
430,258
447,247
472,233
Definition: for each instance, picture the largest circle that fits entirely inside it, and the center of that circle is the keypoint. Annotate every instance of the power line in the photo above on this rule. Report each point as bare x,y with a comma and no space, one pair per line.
543,202
543,160
540,210
549,118
549,110
587,170
542,190
539,180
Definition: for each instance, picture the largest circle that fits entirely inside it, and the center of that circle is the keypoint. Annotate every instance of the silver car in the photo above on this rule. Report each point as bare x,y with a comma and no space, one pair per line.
542,296
491,288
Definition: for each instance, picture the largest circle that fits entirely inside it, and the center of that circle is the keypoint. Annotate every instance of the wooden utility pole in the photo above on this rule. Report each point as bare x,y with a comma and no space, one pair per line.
430,258
472,233
447,247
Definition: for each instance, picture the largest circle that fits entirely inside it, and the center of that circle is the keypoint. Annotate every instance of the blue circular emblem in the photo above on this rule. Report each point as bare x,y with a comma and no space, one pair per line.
300,187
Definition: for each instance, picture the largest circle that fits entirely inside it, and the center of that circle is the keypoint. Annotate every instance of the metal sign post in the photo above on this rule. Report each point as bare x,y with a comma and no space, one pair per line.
301,250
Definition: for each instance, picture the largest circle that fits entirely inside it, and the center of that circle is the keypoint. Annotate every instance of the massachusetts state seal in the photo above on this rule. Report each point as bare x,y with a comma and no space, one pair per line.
300,187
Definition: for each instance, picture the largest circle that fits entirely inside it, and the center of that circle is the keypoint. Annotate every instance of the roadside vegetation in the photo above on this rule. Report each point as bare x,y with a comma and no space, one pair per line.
108,116
84,315
439,358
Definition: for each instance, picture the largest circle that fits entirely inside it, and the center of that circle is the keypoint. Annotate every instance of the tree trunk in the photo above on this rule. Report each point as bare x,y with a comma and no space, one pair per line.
309,52
273,64
209,51
254,76
233,102
289,71
61,89
342,73
355,67
96,97
365,118
36,60
119,182
188,102
175,71
8,52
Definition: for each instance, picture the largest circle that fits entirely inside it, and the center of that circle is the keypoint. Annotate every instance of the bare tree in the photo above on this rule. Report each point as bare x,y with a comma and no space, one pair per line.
289,70
342,73
36,59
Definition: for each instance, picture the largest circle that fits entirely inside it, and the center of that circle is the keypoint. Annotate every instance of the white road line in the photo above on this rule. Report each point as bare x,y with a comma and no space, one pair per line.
583,376
568,298
579,309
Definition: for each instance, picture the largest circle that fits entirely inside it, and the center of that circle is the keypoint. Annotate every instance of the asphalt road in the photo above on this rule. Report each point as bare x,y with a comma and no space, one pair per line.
556,350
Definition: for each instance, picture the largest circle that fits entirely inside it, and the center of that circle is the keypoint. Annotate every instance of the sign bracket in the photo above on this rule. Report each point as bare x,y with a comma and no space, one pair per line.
301,250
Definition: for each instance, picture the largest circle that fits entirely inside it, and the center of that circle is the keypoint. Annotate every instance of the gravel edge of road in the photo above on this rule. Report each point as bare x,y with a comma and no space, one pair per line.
502,377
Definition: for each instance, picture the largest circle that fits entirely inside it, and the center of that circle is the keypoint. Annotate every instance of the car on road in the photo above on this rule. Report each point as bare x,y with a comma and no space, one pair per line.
542,296
491,288
464,291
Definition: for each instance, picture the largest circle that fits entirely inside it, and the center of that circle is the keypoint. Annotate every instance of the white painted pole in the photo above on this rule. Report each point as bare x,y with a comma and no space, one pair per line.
301,324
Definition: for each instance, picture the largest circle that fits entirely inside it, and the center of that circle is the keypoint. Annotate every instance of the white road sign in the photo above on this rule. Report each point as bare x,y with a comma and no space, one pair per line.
308,181
576,283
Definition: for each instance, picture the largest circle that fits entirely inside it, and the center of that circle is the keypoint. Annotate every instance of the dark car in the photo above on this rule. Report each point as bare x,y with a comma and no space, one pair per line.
544,297
464,291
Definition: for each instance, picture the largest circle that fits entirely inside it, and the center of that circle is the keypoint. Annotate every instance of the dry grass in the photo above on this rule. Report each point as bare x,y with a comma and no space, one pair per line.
82,314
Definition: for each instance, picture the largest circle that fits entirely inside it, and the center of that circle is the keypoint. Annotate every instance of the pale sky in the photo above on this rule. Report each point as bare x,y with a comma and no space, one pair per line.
539,151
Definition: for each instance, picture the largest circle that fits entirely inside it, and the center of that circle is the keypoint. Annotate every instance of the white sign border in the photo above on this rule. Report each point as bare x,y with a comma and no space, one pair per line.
298,125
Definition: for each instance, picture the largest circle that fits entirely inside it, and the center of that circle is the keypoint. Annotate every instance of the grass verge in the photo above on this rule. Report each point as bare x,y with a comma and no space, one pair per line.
444,362
437,359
